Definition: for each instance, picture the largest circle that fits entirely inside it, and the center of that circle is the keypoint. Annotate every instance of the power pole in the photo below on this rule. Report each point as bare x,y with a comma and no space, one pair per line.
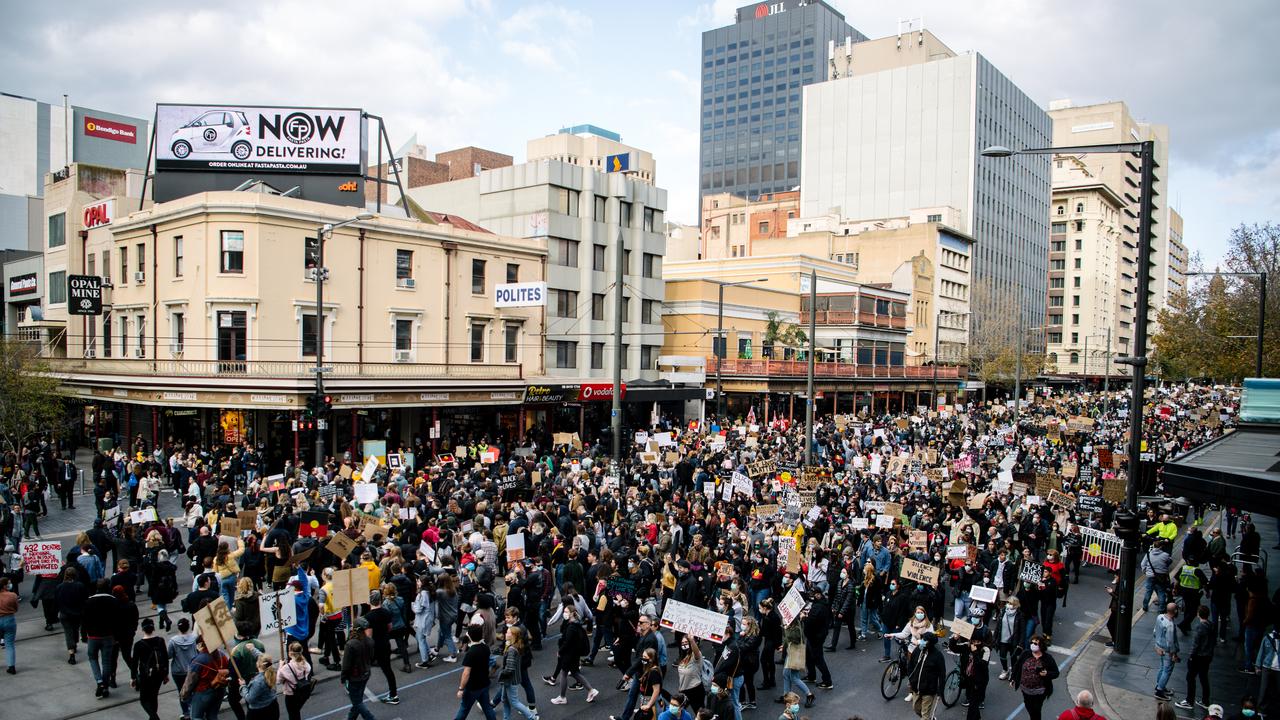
808,412
616,419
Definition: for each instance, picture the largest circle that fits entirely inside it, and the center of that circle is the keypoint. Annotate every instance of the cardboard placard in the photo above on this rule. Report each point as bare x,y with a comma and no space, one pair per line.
1069,469
885,522
979,593
761,468
792,605
1113,490
345,472
918,540
892,509
340,545
962,628
1105,458
649,458
918,572
859,523
515,547
375,529
1031,573
977,502
215,625
1060,500
42,557
1089,504
248,519
350,587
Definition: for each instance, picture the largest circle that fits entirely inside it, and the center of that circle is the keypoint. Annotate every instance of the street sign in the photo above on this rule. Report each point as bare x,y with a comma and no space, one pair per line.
322,369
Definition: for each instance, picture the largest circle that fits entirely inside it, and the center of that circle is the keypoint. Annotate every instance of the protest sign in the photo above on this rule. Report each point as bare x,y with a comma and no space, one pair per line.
792,605
785,543
977,502
488,457
408,513
708,488
276,619
138,517
370,467
42,557
395,461
619,587
766,511
365,493
374,530
664,439
515,547
919,540
892,508
340,545
1089,504
345,472
693,620
885,521
215,625
982,594
427,551
1031,573
350,587
1113,490
742,484
962,628
1069,469
649,458
859,523
1060,500
958,552
248,519
918,572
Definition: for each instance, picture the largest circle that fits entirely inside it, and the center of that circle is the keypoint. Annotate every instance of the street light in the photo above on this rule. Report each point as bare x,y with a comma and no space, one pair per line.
723,348
937,330
1262,309
322,274
1125,521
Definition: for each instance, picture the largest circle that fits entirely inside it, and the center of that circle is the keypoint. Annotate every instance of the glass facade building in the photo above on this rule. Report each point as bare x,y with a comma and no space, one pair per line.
752,75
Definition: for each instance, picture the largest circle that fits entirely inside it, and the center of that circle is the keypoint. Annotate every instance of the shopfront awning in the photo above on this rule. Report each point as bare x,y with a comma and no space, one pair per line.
1240,469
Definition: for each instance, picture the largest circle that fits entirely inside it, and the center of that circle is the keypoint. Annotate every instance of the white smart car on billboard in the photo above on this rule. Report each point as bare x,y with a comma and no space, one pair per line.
222,131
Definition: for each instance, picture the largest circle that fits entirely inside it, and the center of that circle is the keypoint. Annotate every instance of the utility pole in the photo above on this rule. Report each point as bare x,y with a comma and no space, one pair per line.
1262,320
1017,374
618,282
1106,379
808,413
719,346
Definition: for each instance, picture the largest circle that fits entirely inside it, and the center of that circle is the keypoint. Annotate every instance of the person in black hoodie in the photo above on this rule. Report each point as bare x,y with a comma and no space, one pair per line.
771,634
70,596
844,609
126,627
816,624
100,621
150,668
975,673
926,671
750,643
163,587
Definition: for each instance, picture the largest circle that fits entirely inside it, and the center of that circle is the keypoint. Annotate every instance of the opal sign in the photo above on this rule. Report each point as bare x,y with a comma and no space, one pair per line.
530,294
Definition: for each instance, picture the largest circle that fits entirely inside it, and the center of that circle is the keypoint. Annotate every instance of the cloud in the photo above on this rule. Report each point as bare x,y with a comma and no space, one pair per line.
536,35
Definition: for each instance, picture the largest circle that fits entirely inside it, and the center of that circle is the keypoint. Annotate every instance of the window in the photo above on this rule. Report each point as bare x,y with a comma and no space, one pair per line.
57,287
597,258
404,334
764,227
1075,338
1079,244
564,303
310,253
511,343
934,218
404,264
1079,207
1075,281
626,262
309,339
1077,263
1058,246
477,277
1075,301
601,204
625,219
566,201
717,346
597,306
178,325
1055,282
744,347
1062,210
648,312
1075,318
1075,358
124,265
477,342
57,230
124,336
625,353
513,273
1079,226
648,219
1055,338
232,251
597,356
651,266
142,260
1057,264
566,354
1055,301
648,357
177,257
1058,227
563,252
142,336
626,309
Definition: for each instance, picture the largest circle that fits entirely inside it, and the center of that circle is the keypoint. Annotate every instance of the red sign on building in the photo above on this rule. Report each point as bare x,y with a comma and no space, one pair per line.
110,130
599,391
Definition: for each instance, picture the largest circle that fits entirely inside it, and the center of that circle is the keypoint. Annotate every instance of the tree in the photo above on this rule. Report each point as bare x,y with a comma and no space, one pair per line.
30,401
789,336
993,346
1204,331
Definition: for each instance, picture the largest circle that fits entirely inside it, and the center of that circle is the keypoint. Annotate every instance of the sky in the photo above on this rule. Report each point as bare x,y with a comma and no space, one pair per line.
496,73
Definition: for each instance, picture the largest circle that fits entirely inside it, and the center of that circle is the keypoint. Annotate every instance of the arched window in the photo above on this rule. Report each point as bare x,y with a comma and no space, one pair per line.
1079,207
1075,358
1053,358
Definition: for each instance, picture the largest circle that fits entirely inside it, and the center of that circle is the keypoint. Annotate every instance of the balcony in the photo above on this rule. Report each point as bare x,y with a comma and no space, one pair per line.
282,370
800,368
850,317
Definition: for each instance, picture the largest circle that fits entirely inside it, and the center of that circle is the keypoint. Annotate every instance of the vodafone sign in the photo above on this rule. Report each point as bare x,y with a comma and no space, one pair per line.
599,392
99,214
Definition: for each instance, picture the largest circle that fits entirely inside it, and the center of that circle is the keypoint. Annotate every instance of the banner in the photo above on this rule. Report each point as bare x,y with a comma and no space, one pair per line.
695,621
791,606
264,139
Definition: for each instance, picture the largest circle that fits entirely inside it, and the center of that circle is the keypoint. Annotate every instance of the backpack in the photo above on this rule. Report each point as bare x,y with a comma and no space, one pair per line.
148,665
708,672
167,585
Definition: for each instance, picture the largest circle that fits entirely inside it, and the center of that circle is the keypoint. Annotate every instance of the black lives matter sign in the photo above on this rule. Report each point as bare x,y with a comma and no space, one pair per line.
84,295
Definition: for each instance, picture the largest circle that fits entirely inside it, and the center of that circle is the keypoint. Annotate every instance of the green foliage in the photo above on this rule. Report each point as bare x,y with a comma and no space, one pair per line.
30,401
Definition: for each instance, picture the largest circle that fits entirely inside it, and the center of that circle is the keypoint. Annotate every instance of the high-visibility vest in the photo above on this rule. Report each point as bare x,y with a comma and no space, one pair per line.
1188,578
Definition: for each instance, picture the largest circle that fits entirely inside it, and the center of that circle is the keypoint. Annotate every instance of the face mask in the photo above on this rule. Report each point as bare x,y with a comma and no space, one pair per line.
793,708
919,616
1035,647
1248,712
893,587
715,689
675,710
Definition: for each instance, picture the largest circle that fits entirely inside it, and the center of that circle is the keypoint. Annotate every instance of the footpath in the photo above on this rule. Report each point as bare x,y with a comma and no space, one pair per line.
1123,685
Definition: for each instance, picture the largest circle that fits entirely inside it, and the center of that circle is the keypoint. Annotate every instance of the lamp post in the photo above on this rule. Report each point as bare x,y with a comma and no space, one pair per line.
322,274
1126,520
937,330
1262,310
723,348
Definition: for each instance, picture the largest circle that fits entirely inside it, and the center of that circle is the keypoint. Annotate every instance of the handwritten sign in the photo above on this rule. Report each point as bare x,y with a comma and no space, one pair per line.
350,587
1089,504
515,547
340,545
695,621
365,493
962,628
42,558
1031,573
919,539
979,593
215,624
277,619
1060,500
918,572
791,606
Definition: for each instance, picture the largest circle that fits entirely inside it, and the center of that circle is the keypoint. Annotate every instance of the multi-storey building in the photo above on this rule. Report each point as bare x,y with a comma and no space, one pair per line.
1093,253
730,224
752,75
905,129
594,147
39,138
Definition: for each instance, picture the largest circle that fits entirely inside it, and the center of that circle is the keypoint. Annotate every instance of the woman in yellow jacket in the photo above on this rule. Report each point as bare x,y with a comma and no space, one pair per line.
226,563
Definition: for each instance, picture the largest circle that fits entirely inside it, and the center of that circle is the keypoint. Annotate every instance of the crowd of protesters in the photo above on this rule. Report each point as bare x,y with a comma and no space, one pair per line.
608,543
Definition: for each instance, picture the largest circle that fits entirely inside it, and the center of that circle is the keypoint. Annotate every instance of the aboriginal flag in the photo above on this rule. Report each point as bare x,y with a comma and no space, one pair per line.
314,524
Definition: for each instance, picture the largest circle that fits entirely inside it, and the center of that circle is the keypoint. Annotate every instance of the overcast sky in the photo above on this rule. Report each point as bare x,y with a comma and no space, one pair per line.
494,73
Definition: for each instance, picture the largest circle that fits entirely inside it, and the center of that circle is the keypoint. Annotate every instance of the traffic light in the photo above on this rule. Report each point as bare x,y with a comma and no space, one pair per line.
325,405
310,412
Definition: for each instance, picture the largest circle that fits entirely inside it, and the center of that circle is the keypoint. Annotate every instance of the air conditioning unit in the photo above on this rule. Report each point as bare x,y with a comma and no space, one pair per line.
407,283
402,356
106,282
139,353
139,277
90,353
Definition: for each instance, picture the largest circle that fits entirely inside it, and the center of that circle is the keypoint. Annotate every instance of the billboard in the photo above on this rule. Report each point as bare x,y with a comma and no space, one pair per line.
239,138
84,295
530,294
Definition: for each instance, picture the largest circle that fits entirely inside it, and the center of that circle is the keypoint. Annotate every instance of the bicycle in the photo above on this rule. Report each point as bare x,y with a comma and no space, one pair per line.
894,672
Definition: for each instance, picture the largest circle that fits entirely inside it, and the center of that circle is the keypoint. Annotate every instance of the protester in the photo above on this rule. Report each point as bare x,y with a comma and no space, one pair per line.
296,681
259,692
1033,674
1083,709
150,669
357,664
182,651
9,624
